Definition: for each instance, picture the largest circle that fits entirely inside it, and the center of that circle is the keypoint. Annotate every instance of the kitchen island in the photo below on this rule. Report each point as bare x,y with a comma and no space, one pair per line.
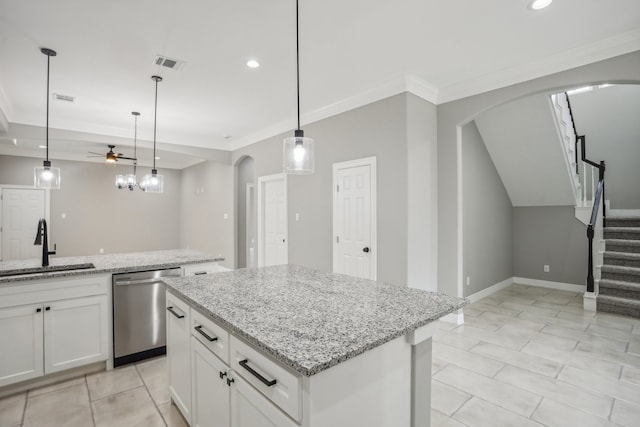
325,349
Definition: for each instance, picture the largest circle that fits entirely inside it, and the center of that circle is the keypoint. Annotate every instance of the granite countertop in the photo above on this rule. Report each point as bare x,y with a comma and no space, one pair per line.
108,263
307,319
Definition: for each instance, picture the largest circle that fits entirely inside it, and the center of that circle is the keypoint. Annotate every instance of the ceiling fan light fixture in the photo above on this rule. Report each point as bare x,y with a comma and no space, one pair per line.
298,155
45,176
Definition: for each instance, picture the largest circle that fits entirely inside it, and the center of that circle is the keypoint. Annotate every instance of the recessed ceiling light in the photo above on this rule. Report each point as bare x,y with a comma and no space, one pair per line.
539,4
157,158
42,146
252,63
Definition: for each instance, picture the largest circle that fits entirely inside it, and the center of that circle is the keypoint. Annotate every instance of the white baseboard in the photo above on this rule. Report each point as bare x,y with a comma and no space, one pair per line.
455,317
490,290
549,284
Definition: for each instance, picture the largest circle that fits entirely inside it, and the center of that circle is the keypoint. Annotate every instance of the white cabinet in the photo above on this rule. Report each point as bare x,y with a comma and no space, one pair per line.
21,330
47,326
178,354
250,409
75,333
210,389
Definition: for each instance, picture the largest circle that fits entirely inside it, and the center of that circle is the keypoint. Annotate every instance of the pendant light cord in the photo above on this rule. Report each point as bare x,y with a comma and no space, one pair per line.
155,116
48,62
135,143
298,64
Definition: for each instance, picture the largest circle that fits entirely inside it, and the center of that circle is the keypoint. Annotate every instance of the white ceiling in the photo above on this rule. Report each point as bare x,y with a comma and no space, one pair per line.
351,53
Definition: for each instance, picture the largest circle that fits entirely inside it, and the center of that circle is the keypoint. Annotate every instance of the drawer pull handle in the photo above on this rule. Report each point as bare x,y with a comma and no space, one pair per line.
172,311
245,364
199,273
204,334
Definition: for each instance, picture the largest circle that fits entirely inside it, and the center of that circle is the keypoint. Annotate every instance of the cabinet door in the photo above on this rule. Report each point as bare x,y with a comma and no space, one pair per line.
250,409
210,391
75,333
21,337
178,354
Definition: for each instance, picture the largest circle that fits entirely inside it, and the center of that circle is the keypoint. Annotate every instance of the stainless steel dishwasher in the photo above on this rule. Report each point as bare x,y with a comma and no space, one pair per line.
139,327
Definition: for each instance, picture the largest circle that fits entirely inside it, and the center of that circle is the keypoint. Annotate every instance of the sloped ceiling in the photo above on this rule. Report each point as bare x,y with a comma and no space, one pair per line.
524,144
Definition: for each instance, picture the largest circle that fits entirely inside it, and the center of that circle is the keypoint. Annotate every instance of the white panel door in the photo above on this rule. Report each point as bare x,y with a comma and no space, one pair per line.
273,221
354,241
21,332
75,333
21,210
210,391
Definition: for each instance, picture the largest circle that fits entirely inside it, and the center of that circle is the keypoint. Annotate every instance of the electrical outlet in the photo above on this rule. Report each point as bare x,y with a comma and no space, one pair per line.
546,268
468,280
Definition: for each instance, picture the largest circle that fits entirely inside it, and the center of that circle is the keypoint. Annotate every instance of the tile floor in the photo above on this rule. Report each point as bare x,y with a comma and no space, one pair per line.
526,356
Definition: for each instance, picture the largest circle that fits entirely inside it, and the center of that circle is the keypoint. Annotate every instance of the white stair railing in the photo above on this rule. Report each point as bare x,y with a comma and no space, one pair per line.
564,123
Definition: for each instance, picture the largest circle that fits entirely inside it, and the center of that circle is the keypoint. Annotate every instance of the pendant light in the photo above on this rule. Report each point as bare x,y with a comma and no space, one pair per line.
129,181
297,153
45,176
154,183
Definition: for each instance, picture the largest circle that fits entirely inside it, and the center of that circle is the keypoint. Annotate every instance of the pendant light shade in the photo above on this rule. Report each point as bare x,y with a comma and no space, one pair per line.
154,183
130,181
298,155
46,176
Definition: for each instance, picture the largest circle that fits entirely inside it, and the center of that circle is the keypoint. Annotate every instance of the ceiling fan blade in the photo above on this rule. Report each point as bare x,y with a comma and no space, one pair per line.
96,154
127,158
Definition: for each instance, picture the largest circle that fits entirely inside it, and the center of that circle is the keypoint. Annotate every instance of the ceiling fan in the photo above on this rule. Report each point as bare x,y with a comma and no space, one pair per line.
111,156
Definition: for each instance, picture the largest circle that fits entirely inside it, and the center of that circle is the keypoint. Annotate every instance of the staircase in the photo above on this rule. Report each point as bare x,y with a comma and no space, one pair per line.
619,286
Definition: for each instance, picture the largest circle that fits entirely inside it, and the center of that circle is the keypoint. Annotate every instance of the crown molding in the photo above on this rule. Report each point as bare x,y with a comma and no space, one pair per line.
408,83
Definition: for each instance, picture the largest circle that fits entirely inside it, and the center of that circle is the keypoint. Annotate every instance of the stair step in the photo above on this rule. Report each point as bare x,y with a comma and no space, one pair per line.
621,273
624,233
623,221
622,258
619,288
617,305
619,245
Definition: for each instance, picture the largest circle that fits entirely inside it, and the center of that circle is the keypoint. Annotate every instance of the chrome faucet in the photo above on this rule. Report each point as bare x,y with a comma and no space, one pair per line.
42,231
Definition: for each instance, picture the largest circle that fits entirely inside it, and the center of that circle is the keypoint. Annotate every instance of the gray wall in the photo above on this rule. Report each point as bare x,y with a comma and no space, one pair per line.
422,191
206,196
487,217
244,176
608,118
624,68
378,129
549,235
98,215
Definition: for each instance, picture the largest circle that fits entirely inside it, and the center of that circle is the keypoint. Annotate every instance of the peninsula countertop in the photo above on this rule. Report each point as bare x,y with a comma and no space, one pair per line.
107,263
307,319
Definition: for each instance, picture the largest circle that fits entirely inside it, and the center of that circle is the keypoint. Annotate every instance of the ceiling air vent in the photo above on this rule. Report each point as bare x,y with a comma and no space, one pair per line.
174,64
65,98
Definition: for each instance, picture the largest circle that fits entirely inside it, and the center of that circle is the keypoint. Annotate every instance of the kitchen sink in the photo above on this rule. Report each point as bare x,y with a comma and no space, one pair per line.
48,269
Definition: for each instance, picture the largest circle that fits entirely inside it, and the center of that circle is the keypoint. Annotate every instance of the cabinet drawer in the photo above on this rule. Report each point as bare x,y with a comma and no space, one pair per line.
44,290
280,385
208,268
211,335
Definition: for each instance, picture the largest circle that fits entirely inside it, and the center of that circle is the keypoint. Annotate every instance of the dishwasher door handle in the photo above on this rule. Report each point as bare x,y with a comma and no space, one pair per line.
140,281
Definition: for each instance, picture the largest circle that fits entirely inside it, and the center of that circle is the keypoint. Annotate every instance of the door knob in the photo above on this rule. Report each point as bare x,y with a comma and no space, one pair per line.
365,250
